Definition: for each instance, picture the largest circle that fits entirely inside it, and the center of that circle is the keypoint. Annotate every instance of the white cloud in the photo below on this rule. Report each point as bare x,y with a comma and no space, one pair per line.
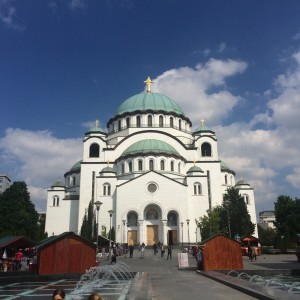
202,90
8,15
77,4
294,177
222,47
38,158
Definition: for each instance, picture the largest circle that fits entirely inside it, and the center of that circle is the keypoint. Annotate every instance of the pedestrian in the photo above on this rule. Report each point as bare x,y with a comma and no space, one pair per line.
199,258
154,248
162,249
94,296
114,257
59,294
169,252
18,260
142,251
131,251
250,252
254,253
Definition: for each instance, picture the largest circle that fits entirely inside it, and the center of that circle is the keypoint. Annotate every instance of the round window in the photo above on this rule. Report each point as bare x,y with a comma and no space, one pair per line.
152,188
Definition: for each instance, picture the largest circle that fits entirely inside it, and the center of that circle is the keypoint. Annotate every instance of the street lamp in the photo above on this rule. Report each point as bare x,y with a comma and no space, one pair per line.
98,204
182,234
110,215
227,203
188,224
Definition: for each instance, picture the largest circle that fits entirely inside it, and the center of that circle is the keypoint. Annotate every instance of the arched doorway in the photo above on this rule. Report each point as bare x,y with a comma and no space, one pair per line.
172,237
152,218
132,219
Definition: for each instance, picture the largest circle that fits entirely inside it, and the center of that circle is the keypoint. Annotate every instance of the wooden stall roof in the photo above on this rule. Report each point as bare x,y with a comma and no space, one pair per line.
55,238
16,241
250,238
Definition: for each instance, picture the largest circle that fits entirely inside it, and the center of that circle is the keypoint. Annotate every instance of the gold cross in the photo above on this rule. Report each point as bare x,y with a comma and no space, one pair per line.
148,82
97,123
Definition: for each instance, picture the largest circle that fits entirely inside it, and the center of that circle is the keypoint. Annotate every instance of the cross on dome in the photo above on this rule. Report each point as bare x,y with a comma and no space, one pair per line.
97,123
148,82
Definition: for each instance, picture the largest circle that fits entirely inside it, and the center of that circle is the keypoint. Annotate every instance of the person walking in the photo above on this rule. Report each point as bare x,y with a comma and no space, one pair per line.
131,251
162,249
142,252
169,252
154,248
18,260
254,253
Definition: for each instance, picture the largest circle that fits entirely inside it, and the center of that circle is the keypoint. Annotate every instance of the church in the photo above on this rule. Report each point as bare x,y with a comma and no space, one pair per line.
150,173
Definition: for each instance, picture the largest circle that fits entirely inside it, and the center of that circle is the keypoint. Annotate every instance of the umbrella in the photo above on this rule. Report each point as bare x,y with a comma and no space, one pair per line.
4,256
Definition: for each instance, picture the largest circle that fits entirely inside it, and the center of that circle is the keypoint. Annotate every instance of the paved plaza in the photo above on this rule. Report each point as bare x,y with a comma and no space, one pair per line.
157,278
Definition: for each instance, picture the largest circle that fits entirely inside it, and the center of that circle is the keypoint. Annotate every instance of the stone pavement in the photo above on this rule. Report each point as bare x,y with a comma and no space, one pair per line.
162,279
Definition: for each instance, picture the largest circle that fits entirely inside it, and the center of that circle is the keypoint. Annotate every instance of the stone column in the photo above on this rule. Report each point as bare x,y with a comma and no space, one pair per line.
140,232
164,232
125,237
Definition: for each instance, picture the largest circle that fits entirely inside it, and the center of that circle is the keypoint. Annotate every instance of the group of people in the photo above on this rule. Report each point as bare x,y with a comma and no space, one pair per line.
60,294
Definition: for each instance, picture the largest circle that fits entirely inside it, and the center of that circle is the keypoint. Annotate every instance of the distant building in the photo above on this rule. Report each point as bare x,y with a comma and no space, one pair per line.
153,174
267,219
5,182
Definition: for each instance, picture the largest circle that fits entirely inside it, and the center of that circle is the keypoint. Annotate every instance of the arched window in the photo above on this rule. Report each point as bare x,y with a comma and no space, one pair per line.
231,180
130,166
55,201
138,121
172,122
179,167
246,198
94,150
151,165
106,189
161,121
172,166
197,188
119,125
123,168
149,121
132,218
206,149
74,180
162,165
152,214
179,124
127,122
226,181
172,219
140,165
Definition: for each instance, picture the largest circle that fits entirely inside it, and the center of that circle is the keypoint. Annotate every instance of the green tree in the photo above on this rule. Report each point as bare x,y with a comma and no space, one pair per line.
287,216
17,213
89,226
235,208
266,236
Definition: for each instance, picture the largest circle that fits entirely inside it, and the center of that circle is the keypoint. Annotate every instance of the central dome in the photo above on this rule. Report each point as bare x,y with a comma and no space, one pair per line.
149,102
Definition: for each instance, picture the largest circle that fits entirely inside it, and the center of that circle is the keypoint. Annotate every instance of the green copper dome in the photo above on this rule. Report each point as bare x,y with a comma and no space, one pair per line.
107,169
149,101
242,182
76,167
148,147
195,169
202,128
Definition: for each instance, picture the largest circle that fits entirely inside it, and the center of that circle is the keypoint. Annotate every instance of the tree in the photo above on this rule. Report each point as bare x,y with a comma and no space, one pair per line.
287,216
89,226
235,208
266,236
17,213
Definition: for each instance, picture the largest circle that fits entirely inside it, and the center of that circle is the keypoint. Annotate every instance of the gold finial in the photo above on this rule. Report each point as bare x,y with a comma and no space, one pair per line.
97,123
148,82
108,163
202,122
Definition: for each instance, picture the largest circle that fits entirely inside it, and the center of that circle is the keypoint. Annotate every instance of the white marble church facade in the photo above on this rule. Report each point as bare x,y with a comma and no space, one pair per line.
151,170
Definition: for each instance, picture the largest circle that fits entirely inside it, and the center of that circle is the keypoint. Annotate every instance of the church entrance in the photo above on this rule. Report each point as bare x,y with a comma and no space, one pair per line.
152,234
172,237
132,237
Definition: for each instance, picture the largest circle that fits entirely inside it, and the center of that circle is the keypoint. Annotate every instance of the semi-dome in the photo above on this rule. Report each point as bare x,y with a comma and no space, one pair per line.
150,147
149,102
194,169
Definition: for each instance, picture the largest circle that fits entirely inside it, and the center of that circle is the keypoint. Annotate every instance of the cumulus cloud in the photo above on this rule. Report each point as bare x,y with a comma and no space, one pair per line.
38,158
77,4
202,90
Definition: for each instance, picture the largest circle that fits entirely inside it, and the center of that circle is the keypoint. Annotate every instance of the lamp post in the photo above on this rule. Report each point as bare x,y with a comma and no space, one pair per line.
110,215
181,234
188,224
208,213
98,204
227,203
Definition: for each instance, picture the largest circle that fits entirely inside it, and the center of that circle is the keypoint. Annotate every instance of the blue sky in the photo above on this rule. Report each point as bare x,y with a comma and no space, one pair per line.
236,64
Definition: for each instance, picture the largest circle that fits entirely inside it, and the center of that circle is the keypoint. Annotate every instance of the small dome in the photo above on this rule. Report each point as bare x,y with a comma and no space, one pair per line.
149,102
96,129
151,147
202,128
107,169
76,167
242,182
194,169
58,183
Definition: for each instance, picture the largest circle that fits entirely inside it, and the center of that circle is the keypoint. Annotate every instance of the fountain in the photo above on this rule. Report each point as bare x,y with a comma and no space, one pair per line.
115,278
